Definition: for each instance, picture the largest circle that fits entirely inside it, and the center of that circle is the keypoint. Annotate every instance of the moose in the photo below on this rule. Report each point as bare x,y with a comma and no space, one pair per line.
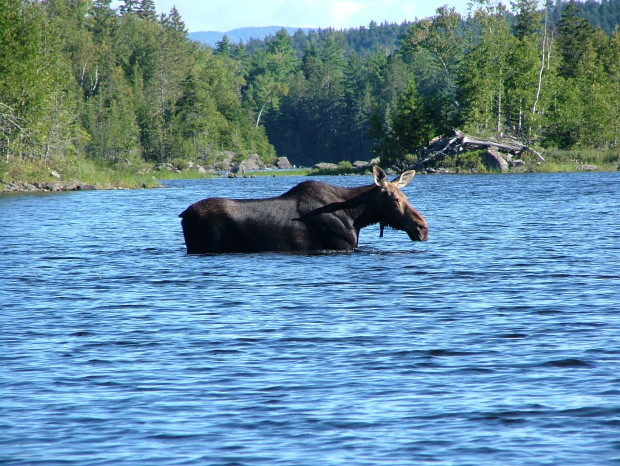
312,216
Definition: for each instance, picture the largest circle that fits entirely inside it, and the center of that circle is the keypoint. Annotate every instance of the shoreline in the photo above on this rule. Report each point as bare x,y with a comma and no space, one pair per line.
36,187
25,187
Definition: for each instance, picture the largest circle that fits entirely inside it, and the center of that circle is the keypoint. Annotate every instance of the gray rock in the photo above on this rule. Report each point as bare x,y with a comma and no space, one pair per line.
326,166
494,160
283,163
252,163
224,160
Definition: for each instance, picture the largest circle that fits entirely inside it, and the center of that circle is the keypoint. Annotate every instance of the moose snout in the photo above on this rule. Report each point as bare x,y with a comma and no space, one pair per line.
418,233
423,231
418,228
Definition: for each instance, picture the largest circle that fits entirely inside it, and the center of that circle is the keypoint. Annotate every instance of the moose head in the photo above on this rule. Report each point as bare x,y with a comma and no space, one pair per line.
393,208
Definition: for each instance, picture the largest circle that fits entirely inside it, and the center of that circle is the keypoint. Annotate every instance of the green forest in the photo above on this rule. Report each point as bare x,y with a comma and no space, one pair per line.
82,82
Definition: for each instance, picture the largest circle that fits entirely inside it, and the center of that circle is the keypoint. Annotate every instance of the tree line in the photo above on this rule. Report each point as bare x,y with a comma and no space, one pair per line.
79,78
123,86
497,72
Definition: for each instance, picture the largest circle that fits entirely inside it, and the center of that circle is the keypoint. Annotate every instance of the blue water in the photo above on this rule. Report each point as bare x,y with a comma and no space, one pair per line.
497,342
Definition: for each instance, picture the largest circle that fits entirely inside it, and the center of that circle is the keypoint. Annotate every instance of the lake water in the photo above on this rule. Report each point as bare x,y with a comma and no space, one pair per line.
497,342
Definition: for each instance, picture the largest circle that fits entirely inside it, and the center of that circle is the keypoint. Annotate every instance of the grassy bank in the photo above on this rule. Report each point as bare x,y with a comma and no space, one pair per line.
97,174
16,175
580,160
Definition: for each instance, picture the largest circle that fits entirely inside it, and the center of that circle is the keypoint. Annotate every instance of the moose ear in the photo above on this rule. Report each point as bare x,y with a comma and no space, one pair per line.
379,175
403,179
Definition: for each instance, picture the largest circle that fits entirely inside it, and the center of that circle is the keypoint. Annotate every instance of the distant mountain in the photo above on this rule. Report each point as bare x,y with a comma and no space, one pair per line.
241,35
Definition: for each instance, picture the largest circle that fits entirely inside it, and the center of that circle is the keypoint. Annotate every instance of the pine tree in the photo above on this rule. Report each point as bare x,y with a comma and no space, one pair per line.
129,6
281,59
574,35
527,21
223,47
440,37
411,127
146,10
175,22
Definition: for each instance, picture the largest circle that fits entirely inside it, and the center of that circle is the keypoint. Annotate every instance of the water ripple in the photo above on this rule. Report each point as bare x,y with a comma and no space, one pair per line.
493,343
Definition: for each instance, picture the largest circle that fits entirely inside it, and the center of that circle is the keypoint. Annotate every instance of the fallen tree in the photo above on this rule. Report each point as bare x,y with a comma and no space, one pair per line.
510,146
500,154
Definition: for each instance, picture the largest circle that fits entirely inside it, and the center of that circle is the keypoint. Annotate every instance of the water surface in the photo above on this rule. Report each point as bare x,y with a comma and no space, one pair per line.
495,342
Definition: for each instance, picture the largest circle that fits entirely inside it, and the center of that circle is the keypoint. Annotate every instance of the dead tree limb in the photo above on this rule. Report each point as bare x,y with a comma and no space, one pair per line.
512,147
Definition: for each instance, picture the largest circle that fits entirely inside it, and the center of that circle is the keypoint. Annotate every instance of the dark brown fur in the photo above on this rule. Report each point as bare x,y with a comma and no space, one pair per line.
312,216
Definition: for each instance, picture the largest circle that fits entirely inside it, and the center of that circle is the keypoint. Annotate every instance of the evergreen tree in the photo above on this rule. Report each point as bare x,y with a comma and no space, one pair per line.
527,20
146,10
411,127
574,35
129,6
358,102
174,22
441,37
281,59
196,121
269,77
223,47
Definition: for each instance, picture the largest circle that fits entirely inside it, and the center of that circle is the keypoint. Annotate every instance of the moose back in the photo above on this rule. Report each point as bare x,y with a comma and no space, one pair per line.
312,216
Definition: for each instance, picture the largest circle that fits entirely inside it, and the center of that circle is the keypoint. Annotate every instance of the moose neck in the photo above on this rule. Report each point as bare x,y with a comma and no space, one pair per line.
363,206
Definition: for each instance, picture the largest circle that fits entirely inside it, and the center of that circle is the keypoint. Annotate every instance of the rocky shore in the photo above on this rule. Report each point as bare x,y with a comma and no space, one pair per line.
227,163
458,153
50,186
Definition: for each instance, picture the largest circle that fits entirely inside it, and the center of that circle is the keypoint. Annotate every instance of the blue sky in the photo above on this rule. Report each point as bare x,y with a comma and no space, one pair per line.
224,15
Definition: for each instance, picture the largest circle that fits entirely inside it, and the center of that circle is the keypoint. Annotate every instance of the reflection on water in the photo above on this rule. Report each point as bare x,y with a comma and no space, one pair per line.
493,343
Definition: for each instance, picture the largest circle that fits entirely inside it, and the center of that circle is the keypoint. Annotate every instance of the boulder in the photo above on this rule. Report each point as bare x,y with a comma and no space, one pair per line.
252,163
326,166
52,186
224,160
494,160
283,163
